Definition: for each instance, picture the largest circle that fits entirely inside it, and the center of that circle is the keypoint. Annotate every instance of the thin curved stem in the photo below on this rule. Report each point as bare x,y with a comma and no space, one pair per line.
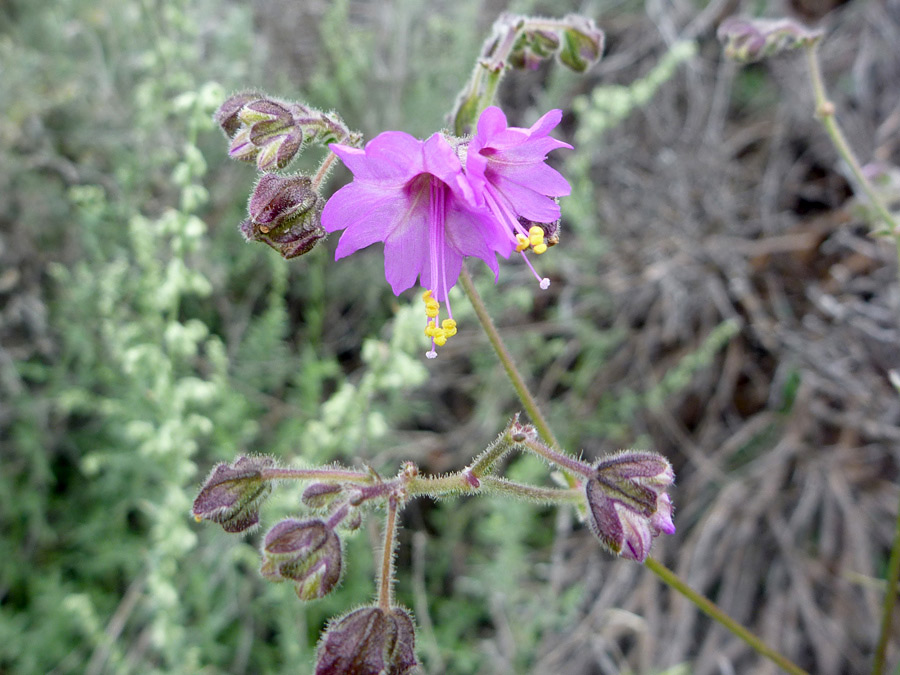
713,611
826,114
506,359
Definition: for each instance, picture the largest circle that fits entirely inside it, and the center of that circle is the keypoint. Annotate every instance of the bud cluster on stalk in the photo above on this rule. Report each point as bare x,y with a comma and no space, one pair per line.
750,40
285,212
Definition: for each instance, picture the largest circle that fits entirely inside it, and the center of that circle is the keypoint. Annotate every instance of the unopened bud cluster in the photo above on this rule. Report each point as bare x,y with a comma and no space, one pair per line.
749,40
575,40
271,132
285,212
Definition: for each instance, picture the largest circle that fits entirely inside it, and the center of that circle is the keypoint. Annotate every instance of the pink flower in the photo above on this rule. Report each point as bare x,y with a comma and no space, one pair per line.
507,166
413,196
430,213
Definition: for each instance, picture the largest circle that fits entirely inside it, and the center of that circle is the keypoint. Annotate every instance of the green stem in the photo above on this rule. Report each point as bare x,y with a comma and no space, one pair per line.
890,598
825,113
714,612
518,383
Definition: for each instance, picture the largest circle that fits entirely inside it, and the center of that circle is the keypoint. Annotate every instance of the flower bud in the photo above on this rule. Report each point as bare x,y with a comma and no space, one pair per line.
307,552
228,114
532,47
368,641
273,130
749,40
627,503
321,495
286,214
232,494
582,43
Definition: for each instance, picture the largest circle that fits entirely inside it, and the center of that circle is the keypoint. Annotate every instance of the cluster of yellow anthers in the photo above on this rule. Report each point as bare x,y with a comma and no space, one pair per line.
535,240
448,326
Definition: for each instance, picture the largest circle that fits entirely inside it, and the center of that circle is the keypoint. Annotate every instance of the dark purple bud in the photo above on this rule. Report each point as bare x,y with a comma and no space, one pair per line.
280,200
627,503
582,43
232,494
227,116
368,641
307,552
286,214
749,40
321,495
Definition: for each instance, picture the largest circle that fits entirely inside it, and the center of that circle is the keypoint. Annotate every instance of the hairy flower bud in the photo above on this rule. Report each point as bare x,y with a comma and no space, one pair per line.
307,552
232,494
627,503
582,43
285,213
273,129
228,114
532,47
368,641
749,40
321,495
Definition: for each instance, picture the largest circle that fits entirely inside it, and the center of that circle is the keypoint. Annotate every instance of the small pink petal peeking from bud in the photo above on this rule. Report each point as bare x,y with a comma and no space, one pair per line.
627,502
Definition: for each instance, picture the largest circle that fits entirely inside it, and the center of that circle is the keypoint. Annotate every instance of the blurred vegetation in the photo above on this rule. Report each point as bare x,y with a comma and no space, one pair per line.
141,341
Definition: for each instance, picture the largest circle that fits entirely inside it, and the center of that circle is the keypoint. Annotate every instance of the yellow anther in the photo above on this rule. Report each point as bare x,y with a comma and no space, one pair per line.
535,236
540,248
523,243
440,340
432,306
449,327
431,329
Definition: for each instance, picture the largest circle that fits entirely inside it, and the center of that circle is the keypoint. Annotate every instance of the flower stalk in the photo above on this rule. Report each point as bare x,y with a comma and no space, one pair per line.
714,612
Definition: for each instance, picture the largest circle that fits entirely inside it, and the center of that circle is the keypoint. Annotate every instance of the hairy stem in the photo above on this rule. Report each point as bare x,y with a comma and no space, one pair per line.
386,578
713,611
330,475
575,466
